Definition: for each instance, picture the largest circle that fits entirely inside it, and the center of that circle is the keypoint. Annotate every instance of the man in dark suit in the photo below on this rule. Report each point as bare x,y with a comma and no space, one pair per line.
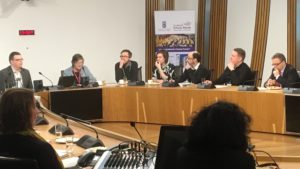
15,75
283,74
237,72
195,72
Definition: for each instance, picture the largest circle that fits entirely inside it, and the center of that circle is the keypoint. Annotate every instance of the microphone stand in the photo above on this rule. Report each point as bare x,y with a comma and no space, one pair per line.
244,87
66,130
85,141
40,120
46,78
292,89
144,143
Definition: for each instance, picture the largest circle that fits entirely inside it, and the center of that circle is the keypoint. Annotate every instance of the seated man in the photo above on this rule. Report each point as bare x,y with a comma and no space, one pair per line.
126,69
283,74
196,72
15,75
79,70
237,72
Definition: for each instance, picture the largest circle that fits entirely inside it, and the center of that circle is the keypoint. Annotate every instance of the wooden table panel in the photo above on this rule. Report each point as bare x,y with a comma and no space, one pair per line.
176,105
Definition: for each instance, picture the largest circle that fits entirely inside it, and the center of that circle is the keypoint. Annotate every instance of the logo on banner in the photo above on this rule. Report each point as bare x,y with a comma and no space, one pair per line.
187,26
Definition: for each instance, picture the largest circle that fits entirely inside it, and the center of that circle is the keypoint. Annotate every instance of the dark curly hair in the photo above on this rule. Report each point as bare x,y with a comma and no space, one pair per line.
218,126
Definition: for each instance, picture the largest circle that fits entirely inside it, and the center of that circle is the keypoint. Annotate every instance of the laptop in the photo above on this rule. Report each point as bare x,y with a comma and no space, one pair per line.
66,81
171,138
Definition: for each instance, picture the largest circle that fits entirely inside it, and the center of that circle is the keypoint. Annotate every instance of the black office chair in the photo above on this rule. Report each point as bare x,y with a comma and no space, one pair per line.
211,72
18,163
139,73
178,71
254,77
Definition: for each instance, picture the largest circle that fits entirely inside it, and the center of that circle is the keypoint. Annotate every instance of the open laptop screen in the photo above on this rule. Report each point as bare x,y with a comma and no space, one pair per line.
171,139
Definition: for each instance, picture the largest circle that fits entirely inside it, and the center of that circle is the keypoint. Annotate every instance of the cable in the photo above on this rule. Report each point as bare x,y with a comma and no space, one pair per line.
264,164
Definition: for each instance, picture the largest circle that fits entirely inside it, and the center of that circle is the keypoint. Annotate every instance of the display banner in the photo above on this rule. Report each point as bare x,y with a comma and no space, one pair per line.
175,33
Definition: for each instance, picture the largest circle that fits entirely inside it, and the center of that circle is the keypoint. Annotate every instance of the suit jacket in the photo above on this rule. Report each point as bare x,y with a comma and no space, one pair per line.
195,76
16,145
238,76
7,78
130,71
289,77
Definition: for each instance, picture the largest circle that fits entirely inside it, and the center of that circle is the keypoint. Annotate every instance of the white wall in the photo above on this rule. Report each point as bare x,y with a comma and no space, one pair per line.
277,38
98,29
240,27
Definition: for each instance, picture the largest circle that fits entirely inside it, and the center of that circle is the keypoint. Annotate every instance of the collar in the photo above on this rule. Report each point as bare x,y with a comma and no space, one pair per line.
281,72
196,67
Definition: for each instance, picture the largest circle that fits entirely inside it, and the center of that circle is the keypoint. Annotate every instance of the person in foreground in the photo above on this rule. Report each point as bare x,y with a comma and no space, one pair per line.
79,70
217,139
126,69
237,71
283,74
15,75
17,136
195,71
163,70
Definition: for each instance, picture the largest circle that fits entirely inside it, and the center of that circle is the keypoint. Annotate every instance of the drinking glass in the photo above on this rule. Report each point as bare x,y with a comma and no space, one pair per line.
58,131
69,145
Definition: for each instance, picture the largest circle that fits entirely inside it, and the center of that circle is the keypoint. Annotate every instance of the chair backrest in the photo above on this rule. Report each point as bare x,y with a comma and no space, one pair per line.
18,163
211,72
140,77
298,71
254,74
178,70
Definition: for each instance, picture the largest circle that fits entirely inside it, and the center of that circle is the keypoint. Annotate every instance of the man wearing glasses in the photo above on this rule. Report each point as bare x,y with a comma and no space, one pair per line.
126,69
15,76
283,74
194,72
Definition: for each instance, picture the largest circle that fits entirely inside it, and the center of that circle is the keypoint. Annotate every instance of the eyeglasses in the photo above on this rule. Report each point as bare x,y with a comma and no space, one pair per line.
18,60
276,64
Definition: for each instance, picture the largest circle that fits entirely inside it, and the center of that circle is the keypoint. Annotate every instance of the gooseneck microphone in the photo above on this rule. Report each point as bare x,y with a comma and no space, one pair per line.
245,87
40,120
292,88
46,78
85,141
132,124
66,130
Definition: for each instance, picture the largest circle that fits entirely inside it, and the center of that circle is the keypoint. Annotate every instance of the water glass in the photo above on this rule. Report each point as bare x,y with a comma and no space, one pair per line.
58,131
69,145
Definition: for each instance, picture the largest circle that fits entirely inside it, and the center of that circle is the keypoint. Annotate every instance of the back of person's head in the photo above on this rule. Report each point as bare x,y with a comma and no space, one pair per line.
16,110
128,51
241,52
196,55
76,57
279,56
165,55
12,55
222,125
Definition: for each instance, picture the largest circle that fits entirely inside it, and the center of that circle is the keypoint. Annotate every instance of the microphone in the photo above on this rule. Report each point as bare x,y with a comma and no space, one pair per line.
143,142
85,141
17,82
66,130
294,88
40,120
245,87
46,78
